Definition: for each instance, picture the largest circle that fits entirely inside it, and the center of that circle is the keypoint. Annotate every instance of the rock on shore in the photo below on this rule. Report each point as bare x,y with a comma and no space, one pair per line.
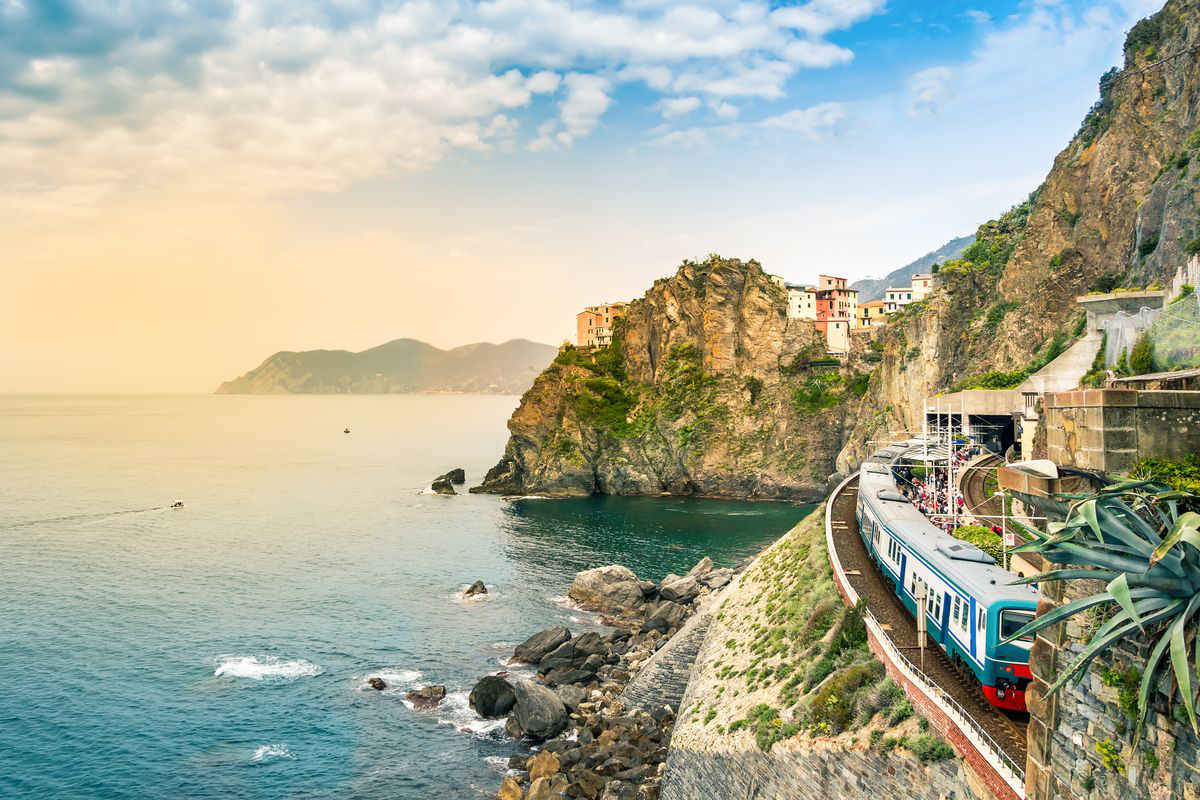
594,745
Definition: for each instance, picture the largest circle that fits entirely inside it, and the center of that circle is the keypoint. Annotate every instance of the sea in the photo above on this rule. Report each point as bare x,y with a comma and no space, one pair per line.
222,649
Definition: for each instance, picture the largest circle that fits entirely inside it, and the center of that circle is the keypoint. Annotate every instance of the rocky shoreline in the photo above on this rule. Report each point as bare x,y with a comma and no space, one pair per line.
589,742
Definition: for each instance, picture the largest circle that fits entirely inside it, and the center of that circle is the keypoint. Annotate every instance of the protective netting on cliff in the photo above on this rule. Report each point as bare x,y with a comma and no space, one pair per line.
1175,335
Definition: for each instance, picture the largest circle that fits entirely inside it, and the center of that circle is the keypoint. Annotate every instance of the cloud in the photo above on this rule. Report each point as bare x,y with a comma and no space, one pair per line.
809,122
671,107
271,97
928,90
977,16
812,123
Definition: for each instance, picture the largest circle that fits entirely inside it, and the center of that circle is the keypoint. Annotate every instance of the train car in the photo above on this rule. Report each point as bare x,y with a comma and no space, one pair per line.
970,604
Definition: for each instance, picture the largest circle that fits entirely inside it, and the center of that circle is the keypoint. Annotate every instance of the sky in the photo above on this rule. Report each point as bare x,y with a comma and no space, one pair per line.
192,186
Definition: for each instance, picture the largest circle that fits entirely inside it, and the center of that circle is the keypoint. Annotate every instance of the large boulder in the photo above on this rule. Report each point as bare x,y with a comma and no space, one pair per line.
475,588
702,568
573,652
426,698
679,590
612,590
456,476
442,485
492,697
668,615
533,649
717,578
538,712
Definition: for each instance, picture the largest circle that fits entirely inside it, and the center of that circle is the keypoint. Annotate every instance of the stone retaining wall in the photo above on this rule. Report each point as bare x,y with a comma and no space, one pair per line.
664,678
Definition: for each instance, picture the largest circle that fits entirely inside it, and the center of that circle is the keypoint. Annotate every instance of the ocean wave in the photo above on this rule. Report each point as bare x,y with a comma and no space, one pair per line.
456,711
400,680
268,751
268,668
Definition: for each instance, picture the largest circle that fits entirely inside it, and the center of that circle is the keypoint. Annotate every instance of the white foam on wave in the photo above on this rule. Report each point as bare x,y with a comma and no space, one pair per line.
396,679
268,751
456,711
461,597
266,668
498,764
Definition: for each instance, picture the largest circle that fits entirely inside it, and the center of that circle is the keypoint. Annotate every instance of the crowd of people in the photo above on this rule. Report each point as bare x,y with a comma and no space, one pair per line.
926,487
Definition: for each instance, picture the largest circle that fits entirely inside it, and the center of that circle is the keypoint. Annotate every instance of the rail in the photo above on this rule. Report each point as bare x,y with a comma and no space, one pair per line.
1010,772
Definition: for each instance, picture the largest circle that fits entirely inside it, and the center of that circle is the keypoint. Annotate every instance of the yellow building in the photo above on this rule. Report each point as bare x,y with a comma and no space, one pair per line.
871,313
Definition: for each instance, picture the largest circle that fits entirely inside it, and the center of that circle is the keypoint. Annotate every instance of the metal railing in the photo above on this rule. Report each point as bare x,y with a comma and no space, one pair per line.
959,716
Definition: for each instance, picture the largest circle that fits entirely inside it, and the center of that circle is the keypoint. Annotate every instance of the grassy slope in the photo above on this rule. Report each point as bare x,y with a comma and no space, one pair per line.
786,664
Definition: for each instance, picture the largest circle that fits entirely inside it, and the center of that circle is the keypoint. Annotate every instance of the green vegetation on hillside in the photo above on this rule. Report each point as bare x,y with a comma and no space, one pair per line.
795,638
985,539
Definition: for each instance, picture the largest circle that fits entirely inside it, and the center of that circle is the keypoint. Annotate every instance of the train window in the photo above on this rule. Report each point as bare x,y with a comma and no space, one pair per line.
980,623
957,609
965,620
1013,621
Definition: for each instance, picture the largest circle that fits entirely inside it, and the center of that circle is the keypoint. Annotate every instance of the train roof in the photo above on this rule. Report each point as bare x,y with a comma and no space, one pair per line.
971,568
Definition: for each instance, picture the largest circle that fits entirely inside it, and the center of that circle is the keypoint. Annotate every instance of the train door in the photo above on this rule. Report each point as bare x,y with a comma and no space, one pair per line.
945,623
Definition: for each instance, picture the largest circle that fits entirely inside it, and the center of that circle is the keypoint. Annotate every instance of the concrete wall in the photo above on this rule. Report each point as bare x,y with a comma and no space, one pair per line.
813,773
1065,729
1110,429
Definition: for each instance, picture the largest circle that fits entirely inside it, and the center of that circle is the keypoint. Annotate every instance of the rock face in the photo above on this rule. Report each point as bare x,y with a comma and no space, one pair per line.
426,698
442,485
377,684
535,647
611,590
492,697
538,712
1116,210
697,395
456,476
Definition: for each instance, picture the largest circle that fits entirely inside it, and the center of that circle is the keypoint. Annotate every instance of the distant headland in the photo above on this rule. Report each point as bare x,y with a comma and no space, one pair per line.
397,367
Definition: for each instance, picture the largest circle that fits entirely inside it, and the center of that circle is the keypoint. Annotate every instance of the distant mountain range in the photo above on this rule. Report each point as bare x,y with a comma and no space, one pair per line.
400,366
873,289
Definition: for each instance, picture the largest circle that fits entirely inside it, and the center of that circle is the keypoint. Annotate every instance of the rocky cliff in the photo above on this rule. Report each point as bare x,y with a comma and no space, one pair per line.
1118,208
711,390
707,389
403,365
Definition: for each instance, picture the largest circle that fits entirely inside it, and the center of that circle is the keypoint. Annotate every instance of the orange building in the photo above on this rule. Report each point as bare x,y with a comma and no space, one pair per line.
593,325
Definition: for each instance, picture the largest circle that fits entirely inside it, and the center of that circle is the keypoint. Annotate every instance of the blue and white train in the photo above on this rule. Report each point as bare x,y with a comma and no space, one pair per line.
970,604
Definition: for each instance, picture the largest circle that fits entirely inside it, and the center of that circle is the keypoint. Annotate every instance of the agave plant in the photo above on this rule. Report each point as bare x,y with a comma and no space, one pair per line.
1139,537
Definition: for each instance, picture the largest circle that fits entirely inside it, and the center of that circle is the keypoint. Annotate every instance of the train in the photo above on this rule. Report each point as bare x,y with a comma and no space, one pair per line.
971,604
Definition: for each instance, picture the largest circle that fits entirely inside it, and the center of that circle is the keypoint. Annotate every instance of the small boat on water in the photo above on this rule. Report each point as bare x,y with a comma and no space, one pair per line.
346,431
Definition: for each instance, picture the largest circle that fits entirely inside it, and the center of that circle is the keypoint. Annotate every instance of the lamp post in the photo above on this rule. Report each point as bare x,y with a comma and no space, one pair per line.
1003,524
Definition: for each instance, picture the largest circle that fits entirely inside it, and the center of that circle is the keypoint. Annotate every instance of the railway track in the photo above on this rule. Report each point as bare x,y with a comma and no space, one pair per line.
974,491
1007,729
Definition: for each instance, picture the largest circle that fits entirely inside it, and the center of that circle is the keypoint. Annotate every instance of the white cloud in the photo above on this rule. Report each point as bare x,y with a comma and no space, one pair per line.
978,17
928,90
306,97
819,17
809,122
671,107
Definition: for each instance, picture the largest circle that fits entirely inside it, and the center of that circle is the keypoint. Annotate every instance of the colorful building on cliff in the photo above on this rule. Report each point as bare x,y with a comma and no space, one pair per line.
872,313
593,325
802,302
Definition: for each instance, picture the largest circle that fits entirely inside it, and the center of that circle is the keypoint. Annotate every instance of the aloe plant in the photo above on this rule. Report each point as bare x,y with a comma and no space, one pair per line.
1139,537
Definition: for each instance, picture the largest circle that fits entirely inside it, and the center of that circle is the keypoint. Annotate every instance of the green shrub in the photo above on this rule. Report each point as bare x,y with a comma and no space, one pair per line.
996,314
985,539
834,704
929,748
1185,291
1182,475
859,383
1141,357
754,386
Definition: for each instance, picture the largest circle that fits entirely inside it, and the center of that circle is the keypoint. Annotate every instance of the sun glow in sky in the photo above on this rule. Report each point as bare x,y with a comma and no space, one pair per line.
191,186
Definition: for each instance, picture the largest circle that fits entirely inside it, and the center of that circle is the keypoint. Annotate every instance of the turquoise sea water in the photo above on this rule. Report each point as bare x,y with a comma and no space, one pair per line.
221,650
